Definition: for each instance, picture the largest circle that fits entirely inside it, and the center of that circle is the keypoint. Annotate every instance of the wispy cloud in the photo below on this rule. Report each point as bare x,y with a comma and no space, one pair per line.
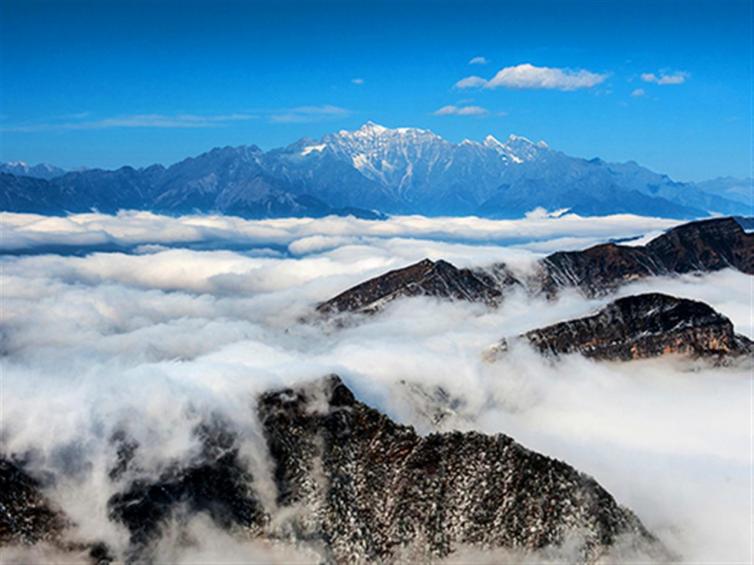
451,110
638,92
664,78
529,76
471,82
131,121
478,61
69,122
303,114
358,81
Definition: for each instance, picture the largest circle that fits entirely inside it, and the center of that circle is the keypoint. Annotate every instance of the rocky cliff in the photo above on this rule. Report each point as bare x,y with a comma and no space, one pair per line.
641,326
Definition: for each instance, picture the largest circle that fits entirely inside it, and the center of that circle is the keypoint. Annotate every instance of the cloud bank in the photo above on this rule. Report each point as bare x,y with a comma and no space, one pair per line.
32,232
155,339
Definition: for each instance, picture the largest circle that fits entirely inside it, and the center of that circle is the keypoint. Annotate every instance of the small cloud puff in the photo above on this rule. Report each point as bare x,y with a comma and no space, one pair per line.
451,110
529,76
638,92
358,81
478,61
664,78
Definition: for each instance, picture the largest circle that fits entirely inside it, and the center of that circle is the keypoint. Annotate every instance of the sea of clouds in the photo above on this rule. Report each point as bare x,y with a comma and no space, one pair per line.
151,324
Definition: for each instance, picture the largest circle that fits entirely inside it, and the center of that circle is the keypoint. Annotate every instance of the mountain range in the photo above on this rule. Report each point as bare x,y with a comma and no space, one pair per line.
372,171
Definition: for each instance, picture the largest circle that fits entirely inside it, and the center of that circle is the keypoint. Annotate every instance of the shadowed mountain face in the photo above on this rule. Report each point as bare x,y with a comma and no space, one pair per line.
425,278
704,246
646,325
360,487
401,170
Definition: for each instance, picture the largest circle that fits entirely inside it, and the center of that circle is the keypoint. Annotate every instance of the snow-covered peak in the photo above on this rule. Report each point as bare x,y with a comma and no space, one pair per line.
514,139
492,142
372,128
319,147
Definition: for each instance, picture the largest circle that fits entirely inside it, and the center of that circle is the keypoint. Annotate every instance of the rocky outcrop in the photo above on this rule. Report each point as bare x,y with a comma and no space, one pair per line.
703,246
371,489
425,278
646,325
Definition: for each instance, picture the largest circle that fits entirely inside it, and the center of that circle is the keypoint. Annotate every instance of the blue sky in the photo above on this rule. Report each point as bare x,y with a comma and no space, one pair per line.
108,83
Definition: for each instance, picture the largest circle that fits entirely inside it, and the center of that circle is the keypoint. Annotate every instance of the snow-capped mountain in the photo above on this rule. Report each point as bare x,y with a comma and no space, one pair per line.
40,171
393,170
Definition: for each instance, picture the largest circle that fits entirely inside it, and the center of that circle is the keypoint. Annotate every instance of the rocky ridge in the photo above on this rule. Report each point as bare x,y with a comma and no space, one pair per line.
703,246
643,326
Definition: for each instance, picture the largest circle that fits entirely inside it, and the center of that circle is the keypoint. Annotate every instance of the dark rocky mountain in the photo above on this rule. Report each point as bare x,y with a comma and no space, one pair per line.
703,246
387,489
357,486
641,326
425,278
401,170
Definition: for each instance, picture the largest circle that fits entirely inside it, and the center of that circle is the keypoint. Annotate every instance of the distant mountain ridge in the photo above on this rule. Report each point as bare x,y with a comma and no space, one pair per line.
399,170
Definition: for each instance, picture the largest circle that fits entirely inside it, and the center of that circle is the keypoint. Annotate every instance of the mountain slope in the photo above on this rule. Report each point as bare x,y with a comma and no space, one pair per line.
400,170
703,246
645,325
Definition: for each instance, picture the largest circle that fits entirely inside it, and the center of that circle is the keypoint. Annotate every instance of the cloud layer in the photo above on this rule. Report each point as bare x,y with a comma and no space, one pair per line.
155,339
31,232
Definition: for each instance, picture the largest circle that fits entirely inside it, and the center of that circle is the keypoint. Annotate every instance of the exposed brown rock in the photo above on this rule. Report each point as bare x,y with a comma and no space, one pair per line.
646,325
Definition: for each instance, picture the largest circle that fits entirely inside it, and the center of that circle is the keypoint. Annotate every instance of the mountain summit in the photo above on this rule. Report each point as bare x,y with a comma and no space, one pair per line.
395,170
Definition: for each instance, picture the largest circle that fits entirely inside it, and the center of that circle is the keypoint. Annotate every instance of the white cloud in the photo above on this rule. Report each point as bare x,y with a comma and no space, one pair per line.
134,121
478,61
529,76
451,110
135,228
358,81
638,92
666,78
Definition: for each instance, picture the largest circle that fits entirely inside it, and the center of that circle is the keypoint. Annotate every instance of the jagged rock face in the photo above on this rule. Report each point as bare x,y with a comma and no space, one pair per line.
704,246
597,270
425,278
709,245
646,325
26,516
369,489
